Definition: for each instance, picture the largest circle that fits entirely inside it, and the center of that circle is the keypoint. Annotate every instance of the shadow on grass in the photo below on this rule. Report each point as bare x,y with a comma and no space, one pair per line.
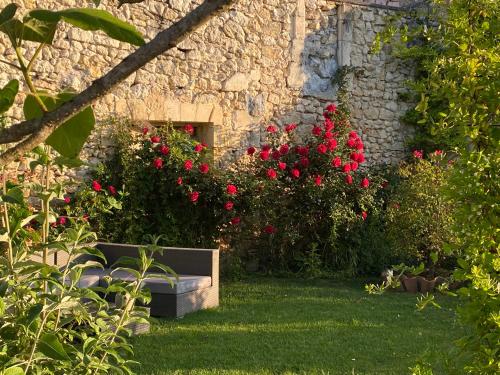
278,326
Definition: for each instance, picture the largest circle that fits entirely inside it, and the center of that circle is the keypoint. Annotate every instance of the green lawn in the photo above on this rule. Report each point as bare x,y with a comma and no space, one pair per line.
289,326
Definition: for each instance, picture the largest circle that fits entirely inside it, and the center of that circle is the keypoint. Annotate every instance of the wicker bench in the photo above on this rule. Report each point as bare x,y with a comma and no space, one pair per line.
196,288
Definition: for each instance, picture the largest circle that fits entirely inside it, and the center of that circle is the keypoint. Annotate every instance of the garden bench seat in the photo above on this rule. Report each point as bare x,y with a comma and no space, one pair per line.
197,286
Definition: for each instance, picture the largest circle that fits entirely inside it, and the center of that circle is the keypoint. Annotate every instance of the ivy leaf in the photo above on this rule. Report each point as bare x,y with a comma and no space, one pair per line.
8,95
69,138
93,19
51,346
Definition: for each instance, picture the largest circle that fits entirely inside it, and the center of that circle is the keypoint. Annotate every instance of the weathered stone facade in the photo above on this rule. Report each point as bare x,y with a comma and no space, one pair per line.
263,61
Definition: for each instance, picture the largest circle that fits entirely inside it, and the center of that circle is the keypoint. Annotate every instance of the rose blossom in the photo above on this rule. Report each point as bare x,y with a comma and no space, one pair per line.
364,215
235,220
346,168
322,149
284,149
251,150
276,154
204,168
348,179
351,142
353,134
331,108
282,165
264,155
229,206
193,196
328,135
304,162
419,154
158,163
332,144
67,199
266,147
112,190
269,229
336,162
179,180
365,183
316,131
188,165
271,129
155,139
61,220
354,166
271,173
290,127
329,125
198,147
164,150
145,131
231,189
317,180
189,129
295,173
96,186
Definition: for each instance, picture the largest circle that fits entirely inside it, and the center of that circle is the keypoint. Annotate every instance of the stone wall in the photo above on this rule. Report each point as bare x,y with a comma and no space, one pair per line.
263,61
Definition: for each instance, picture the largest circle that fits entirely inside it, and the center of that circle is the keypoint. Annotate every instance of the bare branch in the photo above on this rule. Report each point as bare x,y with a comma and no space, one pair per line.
38,130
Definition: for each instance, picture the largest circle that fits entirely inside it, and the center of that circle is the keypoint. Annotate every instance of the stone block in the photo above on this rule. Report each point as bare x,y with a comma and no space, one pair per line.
238,82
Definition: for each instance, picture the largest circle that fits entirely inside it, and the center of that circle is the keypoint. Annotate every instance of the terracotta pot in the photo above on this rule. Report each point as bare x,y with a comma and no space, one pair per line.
410,284
424,285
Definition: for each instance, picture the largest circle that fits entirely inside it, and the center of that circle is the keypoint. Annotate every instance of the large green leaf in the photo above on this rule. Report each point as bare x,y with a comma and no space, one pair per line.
51,346
14,371
14,30
38,30
7,13
93,19
8,94
69,138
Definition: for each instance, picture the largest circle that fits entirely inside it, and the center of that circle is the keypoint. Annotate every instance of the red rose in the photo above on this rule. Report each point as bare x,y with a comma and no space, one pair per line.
271,129
269,229
336,162
276,154
85,217
251,150
361,158
351,142
332,144
67,199
145,131
438,152
365,183
353,134
302,151
164,150
284,149
112,190
316,131
188,165
419,154
317,180
354,166
282,165
155,139
328,135
346,168
359,145
348,179
304,162
96,186
229,206
332,108
266,147
329,125
61,220
158,163
204,168
290,127
231,189
271,173
322,149
179,180
198,147
264,155
364,215
235,220
189,129
193,196
295,173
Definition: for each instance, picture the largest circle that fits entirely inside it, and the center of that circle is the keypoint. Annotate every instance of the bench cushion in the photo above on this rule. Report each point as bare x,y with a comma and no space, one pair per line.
184,284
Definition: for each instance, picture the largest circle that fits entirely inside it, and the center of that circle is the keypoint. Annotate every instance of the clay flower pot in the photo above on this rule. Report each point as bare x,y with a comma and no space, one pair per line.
410,283
424,285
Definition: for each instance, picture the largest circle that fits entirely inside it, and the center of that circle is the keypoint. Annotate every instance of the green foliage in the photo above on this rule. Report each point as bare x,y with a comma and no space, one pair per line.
8,94
69,138
420,218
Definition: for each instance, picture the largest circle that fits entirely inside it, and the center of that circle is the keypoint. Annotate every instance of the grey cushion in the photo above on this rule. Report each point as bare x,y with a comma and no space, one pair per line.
184,284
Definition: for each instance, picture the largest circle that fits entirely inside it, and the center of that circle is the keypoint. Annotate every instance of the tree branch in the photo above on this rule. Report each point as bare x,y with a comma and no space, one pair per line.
37,130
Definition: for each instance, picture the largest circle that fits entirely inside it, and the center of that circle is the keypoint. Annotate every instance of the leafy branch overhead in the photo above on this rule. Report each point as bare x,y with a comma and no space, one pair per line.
39,26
